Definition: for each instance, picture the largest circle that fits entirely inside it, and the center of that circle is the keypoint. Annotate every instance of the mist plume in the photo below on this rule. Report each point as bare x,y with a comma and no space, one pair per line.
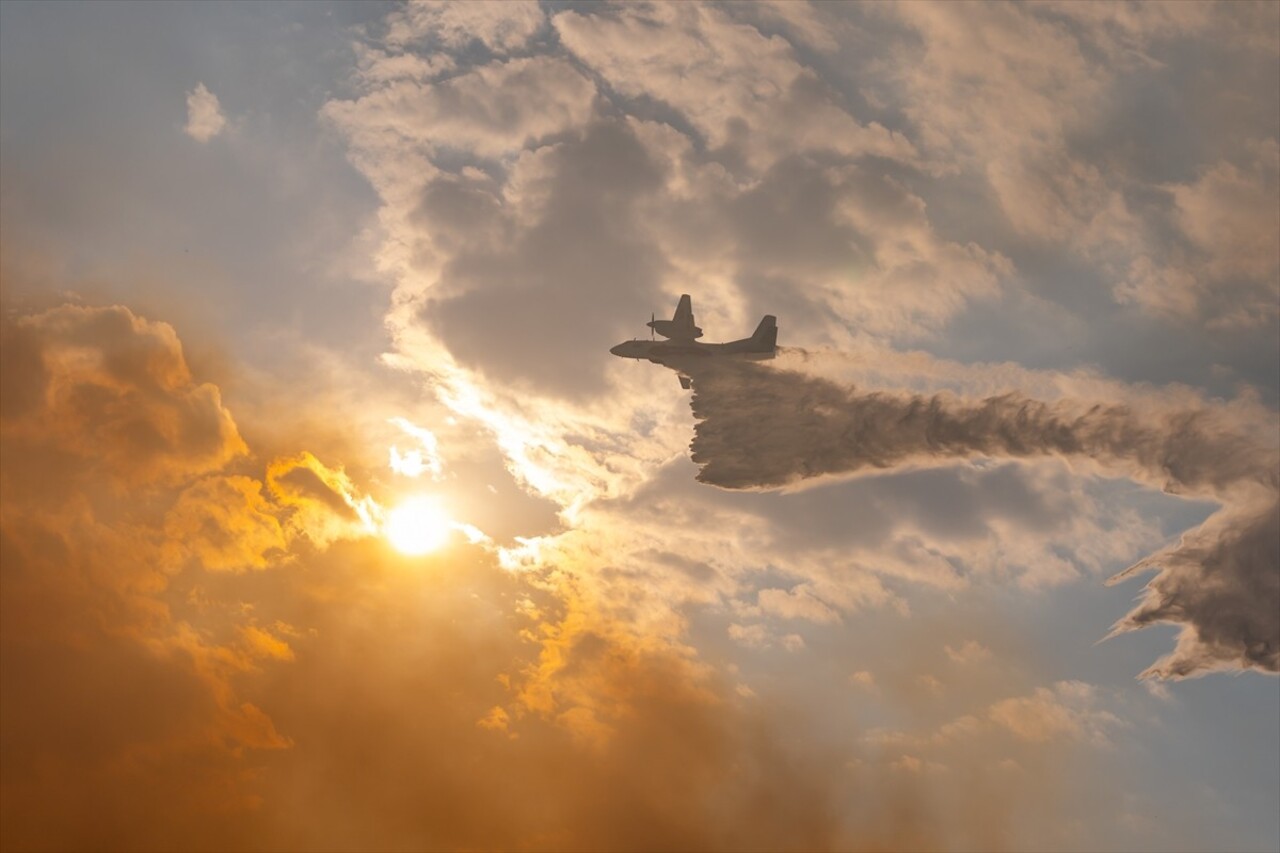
762,428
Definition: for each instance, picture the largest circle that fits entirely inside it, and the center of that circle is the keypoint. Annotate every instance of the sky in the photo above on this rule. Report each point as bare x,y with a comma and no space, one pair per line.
327,520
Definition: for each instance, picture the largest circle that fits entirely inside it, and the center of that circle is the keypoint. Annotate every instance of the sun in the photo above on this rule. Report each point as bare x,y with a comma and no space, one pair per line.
417,526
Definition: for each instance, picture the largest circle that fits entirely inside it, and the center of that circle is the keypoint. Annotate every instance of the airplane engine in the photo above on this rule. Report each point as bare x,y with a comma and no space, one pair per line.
671,329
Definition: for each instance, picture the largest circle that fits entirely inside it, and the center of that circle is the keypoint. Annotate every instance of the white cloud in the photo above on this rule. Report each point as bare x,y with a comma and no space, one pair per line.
500,26
754,180
1231,213
205,119
1038,100
1225,268
491,111
740,89
1067,710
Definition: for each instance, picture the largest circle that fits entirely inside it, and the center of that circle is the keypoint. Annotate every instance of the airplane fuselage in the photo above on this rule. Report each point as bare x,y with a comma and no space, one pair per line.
662,351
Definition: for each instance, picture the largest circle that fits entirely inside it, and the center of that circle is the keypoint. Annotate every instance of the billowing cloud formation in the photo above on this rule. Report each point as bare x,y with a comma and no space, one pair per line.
680,143
110,487
1055,106
521,184
108,395
768,428
662,664
226,523
744,93
204,114
188,650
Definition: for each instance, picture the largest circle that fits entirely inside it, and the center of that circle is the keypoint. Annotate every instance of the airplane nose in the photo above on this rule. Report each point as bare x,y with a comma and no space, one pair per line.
614,350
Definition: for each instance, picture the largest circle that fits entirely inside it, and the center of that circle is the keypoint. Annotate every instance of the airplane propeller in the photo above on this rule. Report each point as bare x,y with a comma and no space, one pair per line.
653,318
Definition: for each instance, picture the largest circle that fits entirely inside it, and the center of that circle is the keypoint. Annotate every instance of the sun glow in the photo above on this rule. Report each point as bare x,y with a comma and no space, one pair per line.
417,526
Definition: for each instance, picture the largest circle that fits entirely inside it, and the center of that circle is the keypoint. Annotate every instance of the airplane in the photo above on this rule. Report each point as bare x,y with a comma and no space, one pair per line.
681,346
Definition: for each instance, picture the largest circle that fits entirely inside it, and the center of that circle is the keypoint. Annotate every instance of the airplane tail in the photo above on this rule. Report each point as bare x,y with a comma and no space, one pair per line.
765,337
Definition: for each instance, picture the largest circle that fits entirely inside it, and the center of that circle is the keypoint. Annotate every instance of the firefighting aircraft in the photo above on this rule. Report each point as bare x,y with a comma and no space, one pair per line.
682,346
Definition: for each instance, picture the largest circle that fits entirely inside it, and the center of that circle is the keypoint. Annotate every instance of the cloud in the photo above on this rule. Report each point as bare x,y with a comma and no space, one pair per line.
575,207
1001,761
226,523
324,504
663,148
204,114
114,710
603,739
571,256
632,663
419,460
1058,110
1224,266
490,111
745,93
798,603
969,652
501,27
1229,214
802,21
769,428
1065,710
590,674
169,645
107,396
864,679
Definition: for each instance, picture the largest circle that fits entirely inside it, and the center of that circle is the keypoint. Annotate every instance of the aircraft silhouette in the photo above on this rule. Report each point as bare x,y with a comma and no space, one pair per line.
682,347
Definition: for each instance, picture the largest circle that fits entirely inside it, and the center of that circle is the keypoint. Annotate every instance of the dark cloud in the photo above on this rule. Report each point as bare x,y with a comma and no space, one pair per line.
532,306
768,428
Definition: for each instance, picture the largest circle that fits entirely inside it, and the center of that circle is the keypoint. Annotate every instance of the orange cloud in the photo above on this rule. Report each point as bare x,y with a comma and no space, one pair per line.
113,709
102,393
324,504
226,524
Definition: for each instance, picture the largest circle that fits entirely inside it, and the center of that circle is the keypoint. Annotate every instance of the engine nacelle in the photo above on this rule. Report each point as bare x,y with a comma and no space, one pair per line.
672,329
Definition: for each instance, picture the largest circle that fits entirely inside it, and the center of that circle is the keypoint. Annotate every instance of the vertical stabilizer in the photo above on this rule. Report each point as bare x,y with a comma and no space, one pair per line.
765,338
684,312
